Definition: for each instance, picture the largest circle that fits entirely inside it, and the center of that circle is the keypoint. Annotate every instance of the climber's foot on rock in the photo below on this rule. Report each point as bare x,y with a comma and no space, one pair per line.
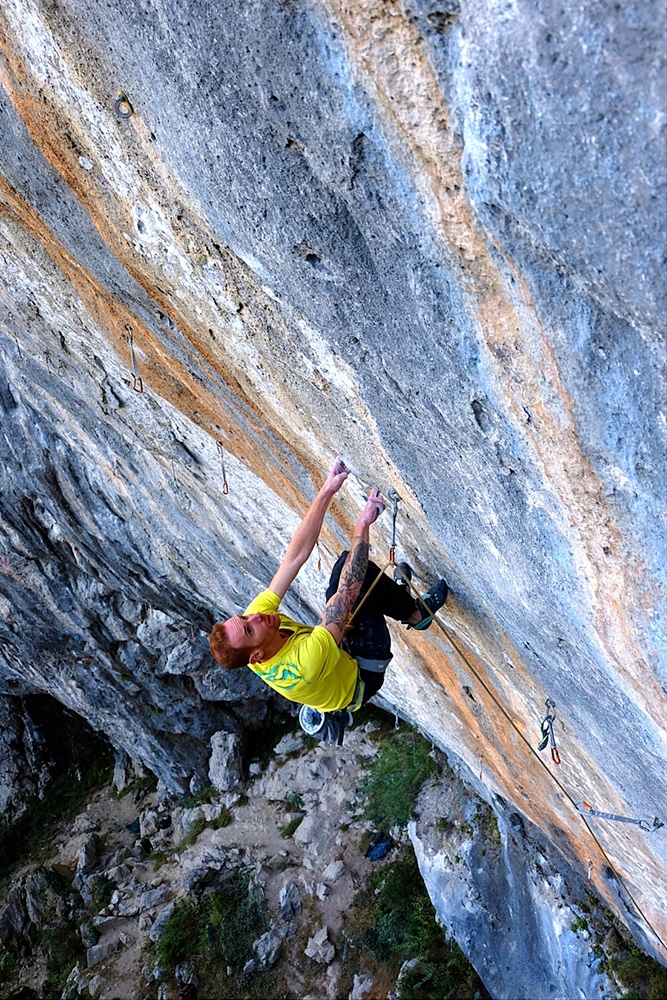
434,600
402,574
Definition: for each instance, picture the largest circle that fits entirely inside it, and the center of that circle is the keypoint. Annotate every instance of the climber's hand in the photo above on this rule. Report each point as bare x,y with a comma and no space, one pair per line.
374,507
337,475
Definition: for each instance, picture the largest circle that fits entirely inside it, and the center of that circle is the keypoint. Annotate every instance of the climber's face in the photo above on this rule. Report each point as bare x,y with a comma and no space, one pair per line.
252,633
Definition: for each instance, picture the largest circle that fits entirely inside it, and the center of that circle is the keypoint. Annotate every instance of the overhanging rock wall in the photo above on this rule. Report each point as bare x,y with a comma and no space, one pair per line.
425,235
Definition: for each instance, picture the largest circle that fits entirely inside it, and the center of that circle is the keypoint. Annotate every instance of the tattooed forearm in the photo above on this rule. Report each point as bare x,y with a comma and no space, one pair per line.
339,607
355,566
335,612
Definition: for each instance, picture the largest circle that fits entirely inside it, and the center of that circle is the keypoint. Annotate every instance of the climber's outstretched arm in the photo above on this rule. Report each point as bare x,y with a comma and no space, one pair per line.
306,535
339,607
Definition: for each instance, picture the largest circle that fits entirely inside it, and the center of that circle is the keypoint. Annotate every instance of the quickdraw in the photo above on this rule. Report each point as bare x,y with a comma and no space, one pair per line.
395,500
221,452
547,727
644,824
137,384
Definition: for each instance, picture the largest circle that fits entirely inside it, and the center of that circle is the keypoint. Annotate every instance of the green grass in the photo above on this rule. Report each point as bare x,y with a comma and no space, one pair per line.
218,932
394,777
203,797
392,920
289,828
643,977
189,839
61,944
8,964
64,949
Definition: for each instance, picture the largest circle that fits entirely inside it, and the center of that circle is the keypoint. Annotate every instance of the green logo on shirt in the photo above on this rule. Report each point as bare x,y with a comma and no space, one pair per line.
283,675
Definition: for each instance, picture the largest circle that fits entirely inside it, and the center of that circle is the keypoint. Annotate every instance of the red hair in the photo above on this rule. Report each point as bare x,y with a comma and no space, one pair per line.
225,654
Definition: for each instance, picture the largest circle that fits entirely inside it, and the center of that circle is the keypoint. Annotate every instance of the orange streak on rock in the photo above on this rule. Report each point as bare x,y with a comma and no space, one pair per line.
396,69
162,373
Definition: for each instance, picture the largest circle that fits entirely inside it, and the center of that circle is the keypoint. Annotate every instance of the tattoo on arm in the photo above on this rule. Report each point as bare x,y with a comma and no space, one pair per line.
335,612
355,567
339,607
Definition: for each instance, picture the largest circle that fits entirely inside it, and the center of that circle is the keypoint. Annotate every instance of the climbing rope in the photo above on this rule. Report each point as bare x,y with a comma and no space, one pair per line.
550,706
551,774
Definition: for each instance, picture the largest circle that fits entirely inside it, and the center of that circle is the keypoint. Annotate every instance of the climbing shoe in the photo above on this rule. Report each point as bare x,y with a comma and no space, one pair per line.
402,574
434,600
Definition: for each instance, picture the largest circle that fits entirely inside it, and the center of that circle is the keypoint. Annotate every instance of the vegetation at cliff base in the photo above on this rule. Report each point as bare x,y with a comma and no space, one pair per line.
395,775
215,935
392,921
83,764
640,975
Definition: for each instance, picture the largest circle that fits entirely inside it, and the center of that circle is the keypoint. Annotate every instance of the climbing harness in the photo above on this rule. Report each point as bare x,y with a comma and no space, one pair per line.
137,384
221,452
644,824
548,731
122,106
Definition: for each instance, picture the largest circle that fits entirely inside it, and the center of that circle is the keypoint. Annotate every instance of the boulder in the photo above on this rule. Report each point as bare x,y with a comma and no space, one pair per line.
71,990
88,855
202,879
290,743
122,771
224,766
333,871
319,948
306,830
152,897
161,922
14,919
360,985
268,946
290,901
100,952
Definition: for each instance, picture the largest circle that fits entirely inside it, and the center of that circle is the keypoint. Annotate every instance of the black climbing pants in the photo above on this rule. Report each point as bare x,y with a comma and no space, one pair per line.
369,636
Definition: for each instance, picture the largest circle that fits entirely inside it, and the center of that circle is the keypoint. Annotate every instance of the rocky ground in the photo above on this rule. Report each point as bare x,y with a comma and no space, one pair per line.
138,890
141,858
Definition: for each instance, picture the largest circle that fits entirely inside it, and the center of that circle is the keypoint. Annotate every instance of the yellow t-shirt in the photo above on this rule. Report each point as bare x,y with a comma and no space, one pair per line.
310,668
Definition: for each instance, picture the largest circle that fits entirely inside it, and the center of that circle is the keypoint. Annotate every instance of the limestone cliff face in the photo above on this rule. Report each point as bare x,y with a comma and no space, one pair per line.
425,235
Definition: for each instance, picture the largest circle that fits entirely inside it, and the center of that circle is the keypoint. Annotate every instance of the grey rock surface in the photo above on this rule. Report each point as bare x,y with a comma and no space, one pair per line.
320,948
224,765
426,235
268,947
486,868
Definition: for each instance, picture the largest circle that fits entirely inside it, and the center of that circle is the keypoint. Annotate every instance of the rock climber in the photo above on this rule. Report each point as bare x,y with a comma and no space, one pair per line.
323,667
